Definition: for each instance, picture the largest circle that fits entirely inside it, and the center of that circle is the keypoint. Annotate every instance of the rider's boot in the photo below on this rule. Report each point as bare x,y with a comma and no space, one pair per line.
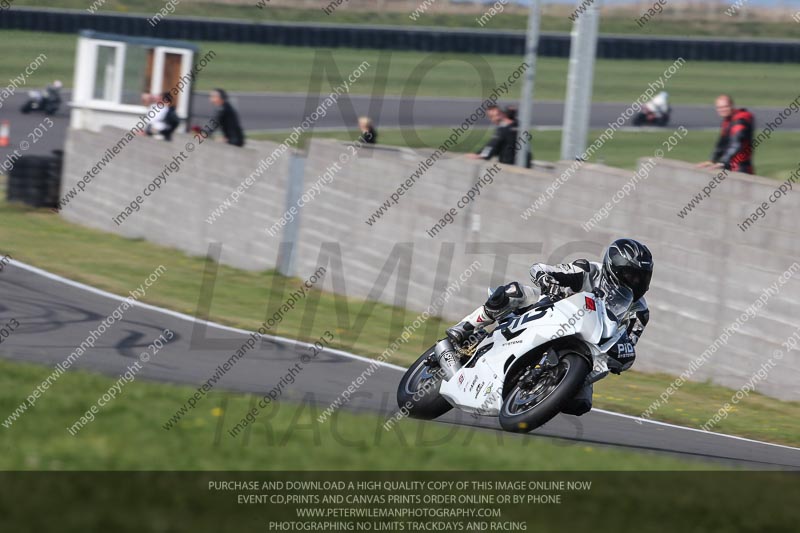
503,300
476,320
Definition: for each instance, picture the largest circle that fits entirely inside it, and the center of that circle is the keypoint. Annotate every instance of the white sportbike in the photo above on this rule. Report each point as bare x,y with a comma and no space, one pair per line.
524,368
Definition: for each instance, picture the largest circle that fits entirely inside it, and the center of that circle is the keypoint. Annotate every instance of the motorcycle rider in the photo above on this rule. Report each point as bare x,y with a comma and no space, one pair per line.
53,92
656,111
626,262
48,100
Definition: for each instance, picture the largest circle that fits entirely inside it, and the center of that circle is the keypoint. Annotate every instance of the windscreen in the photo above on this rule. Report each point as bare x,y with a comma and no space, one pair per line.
618,301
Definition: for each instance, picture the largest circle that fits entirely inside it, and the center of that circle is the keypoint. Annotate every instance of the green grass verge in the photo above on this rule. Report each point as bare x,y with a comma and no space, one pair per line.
775,158
249,67
127,434
117,264
553,18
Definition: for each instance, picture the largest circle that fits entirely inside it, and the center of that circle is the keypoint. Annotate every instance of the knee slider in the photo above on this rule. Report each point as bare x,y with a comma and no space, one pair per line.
497,301
504,299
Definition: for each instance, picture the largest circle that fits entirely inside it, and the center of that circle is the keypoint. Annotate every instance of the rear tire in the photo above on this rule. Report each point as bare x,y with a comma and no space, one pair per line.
525,410
427,404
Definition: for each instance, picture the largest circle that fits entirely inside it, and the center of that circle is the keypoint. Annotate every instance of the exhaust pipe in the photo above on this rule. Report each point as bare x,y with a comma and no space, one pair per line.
449,359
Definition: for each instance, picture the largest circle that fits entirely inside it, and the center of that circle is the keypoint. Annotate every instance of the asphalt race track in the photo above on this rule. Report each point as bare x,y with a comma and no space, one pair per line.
282,112
285,111
56,315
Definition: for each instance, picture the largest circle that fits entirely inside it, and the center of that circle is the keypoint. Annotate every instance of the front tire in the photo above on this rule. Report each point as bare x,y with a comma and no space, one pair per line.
418,391
527,408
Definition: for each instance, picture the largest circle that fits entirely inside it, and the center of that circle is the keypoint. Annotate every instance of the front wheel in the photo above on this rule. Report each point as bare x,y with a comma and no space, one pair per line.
532,403
418,392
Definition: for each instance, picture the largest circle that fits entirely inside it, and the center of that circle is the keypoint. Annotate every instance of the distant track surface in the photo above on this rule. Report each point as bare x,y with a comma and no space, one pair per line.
282,112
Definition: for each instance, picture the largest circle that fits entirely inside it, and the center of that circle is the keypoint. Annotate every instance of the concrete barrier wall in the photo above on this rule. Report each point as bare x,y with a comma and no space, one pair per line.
175,215
708,272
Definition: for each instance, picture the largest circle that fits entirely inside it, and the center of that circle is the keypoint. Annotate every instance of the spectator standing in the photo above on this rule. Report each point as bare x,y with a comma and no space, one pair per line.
368,133
227,119
503,143
512,113
166,120
734,149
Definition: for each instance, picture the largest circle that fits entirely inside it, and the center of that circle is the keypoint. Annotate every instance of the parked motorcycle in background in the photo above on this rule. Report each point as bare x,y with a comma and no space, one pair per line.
47,101
656,112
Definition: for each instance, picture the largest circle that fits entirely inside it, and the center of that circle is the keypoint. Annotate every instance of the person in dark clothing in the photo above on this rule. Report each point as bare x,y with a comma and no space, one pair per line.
227,120
734,149
166,120
503,143
512,112
368,133
171,119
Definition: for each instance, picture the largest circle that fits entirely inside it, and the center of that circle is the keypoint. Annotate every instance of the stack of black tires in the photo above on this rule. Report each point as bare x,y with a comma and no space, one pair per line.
35,180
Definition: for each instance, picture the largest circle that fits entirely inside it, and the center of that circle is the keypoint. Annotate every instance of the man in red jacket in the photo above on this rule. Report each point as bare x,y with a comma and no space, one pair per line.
734,150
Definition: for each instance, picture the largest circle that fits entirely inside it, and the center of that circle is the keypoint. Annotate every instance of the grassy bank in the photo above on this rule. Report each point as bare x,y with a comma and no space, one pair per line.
117,264
260,68
554,18
127,434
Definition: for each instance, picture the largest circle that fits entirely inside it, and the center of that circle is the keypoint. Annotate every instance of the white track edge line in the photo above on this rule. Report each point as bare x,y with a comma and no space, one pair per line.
189,318
667,424
286,341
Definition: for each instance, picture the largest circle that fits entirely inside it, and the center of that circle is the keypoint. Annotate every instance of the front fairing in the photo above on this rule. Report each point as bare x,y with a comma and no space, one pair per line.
476,387
577,315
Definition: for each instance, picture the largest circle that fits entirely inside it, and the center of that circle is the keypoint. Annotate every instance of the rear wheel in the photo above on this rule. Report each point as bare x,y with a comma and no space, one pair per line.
531,403
418,392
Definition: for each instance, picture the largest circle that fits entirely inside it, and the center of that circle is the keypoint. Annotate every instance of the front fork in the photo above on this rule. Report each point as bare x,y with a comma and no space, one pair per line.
548,361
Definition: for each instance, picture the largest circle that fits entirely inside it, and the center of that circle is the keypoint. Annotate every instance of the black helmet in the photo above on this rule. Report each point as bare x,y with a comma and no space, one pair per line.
629,263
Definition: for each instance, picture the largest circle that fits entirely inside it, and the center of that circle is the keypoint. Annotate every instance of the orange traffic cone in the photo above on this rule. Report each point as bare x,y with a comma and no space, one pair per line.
5,131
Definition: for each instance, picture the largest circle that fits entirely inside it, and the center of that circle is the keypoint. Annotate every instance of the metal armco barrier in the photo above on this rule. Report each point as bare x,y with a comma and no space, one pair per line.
399,38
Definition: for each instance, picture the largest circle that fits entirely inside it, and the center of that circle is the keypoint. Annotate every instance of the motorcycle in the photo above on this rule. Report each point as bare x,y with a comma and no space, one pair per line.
655,112
528,366
47,101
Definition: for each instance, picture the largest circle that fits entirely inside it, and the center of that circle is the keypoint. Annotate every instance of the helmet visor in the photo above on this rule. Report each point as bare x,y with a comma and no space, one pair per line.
638,280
